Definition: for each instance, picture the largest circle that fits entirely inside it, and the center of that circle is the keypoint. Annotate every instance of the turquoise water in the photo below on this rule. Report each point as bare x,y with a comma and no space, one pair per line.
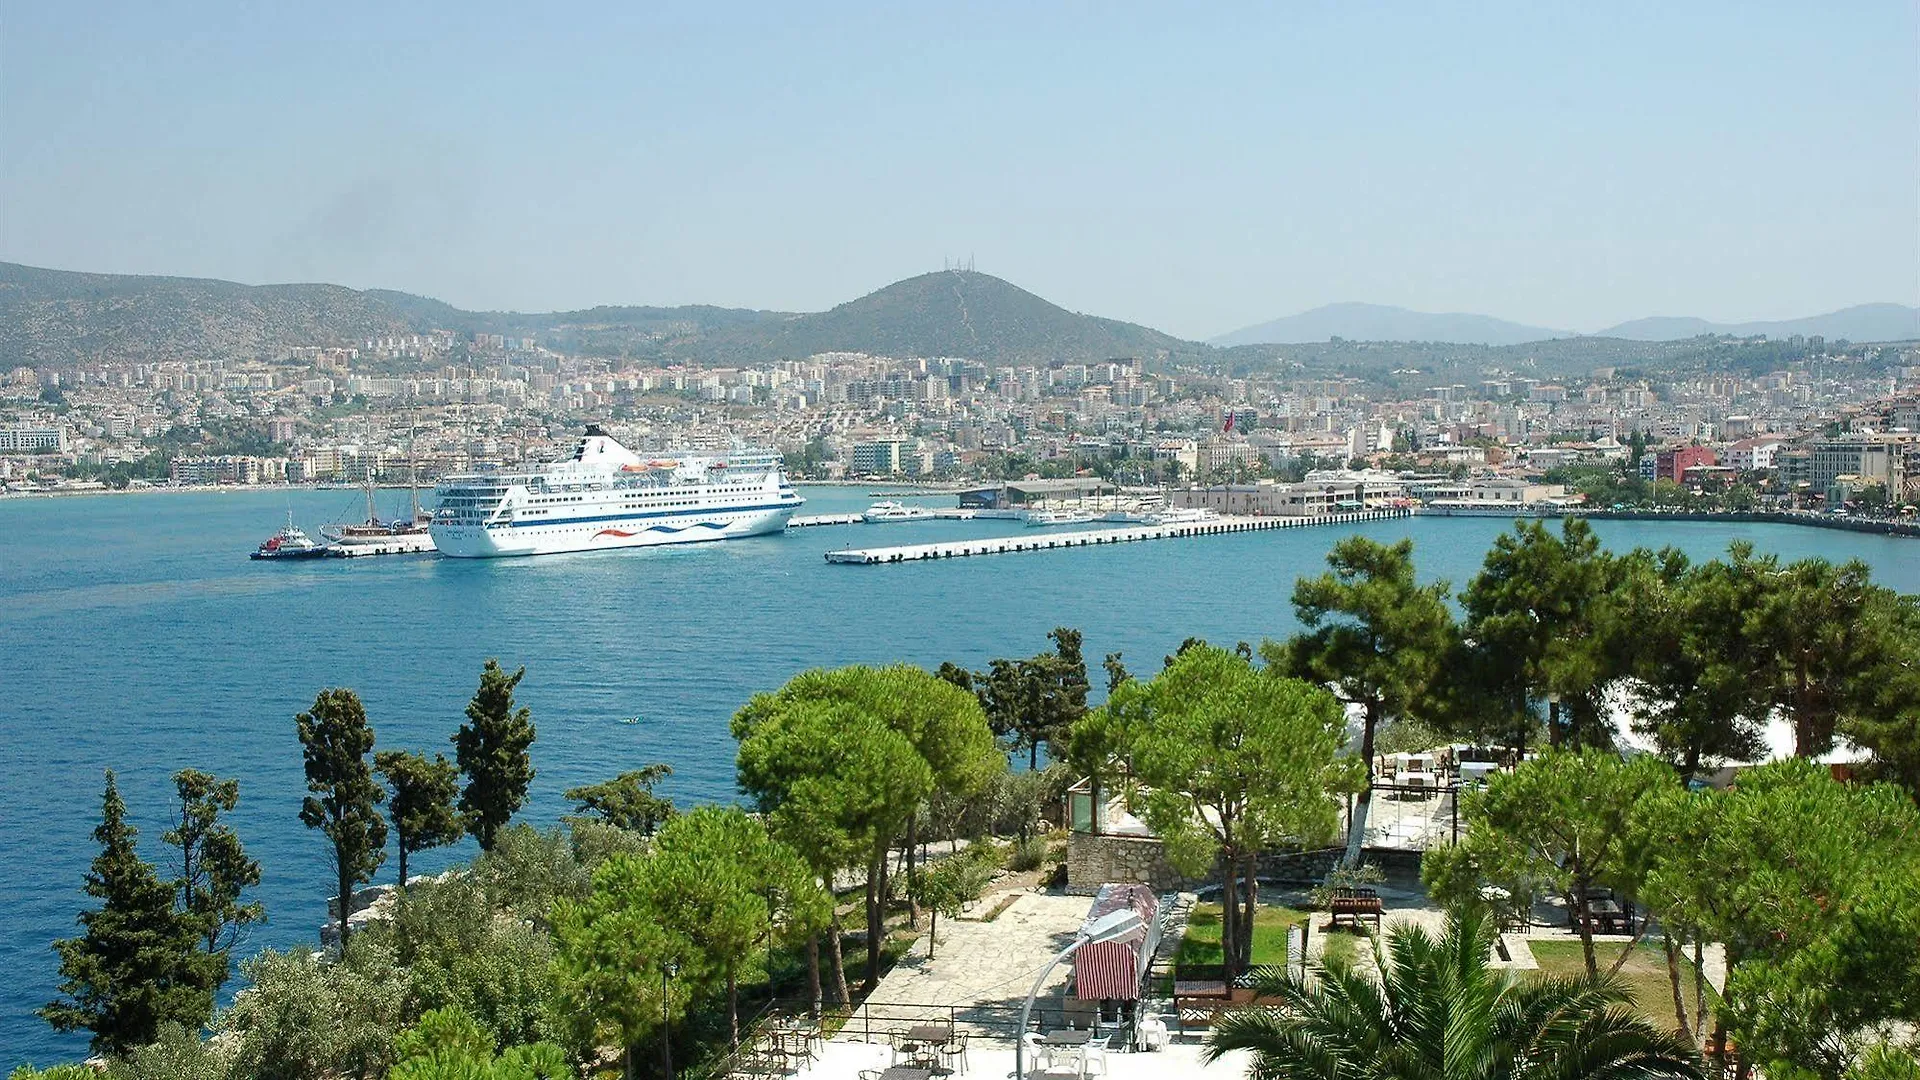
137,636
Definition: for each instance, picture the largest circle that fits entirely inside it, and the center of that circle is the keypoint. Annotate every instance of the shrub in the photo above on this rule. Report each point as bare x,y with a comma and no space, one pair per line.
1028,854
178,1054
460,953
1347,877
305,1016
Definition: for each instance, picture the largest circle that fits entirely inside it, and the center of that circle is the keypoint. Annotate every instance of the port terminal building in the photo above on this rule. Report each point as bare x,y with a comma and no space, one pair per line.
1018,493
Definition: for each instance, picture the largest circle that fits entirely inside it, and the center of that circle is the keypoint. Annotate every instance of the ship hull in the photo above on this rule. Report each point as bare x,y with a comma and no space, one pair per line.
608,533
398,544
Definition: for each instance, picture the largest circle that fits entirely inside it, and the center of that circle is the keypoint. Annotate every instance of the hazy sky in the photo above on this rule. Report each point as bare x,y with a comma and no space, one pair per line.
1193,169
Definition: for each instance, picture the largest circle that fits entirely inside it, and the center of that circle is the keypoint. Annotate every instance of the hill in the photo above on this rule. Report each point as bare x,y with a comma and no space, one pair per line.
1376,322
1862,322
58,317
50,317
964,313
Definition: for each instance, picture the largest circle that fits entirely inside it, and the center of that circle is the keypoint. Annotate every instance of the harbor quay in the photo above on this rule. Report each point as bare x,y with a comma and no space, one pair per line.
1007,545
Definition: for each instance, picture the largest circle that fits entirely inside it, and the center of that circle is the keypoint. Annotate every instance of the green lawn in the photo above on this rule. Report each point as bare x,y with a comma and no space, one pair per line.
1270,922
1644,974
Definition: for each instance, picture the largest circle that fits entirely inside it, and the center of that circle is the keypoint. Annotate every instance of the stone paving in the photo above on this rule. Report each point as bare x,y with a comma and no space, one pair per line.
990,962
993,1060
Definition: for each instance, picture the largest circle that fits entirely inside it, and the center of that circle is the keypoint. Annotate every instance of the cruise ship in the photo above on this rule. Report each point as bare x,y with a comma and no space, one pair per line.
606,496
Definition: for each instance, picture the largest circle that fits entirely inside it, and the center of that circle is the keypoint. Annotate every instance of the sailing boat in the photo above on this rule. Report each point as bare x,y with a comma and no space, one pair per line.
376,537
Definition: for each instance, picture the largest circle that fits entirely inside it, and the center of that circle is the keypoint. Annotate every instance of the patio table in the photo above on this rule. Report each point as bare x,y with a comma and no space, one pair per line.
934,1034
1069,1037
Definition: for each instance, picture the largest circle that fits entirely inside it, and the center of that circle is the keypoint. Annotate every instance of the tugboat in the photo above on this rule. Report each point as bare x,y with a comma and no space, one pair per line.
289,543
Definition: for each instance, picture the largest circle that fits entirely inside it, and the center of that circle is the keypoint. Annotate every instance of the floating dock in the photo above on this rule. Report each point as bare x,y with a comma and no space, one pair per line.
810,520
1051,541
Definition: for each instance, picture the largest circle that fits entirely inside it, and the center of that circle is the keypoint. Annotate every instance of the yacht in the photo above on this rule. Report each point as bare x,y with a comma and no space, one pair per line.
604,495
1181,515
1045,518
894,511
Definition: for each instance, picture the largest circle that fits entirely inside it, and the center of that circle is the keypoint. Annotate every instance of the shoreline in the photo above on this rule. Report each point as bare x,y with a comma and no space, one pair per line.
1882,526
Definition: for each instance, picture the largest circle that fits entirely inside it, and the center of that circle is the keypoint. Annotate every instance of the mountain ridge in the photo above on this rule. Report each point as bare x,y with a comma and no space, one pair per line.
62,317
1860,322
52,317
1358,321
1355,321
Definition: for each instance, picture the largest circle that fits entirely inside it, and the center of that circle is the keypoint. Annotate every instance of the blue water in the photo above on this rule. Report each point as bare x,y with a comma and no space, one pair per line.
137,636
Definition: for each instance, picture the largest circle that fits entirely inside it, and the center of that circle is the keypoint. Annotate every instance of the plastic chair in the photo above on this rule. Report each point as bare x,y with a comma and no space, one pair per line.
1151,1034
1039,1054
1093,1060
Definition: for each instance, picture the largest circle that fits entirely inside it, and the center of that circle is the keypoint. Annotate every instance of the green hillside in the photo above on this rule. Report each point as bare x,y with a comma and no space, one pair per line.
54,317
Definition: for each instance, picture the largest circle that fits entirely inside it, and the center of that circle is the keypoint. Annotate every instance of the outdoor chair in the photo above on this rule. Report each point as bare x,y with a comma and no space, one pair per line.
1093,1061
1038,1053
1151,1034
954,1052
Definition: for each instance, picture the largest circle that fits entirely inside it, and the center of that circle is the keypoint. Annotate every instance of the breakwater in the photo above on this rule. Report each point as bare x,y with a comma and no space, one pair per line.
1006,545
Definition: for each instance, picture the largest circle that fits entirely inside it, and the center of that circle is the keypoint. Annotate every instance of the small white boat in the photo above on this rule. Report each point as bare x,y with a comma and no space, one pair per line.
1048,518
1184,515
881,512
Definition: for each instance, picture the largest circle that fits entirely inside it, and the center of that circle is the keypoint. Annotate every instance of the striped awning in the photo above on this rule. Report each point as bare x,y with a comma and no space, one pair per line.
1115,969
1109,969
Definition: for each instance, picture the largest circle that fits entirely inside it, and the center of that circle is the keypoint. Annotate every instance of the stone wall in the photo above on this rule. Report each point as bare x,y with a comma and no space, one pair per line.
1092,861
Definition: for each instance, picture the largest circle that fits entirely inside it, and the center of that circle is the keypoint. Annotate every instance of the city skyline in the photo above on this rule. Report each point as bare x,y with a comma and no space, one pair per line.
1570,170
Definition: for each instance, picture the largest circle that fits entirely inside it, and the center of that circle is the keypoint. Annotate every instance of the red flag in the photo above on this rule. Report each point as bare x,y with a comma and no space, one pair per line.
1229,426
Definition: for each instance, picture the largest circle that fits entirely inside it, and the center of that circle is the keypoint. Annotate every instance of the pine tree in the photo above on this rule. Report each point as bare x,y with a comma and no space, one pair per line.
135,967
421,805
336,739
492,751
214,868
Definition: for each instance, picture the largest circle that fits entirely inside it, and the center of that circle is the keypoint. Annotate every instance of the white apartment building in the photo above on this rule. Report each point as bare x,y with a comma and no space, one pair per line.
32,440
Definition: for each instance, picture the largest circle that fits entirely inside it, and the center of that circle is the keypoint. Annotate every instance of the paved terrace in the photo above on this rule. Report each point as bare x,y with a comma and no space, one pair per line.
978,977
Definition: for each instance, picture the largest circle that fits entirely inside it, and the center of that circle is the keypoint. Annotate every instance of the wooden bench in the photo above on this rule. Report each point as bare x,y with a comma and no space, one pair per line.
1195,1002
1355,905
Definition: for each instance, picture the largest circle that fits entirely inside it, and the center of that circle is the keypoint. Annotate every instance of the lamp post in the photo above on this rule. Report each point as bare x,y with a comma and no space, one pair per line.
667,972
1108,927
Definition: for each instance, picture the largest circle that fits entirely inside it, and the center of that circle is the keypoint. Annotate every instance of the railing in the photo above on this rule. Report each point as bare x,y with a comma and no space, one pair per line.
881,1021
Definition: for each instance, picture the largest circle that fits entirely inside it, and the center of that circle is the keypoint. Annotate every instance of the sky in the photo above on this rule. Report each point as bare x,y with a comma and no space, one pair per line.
1196,168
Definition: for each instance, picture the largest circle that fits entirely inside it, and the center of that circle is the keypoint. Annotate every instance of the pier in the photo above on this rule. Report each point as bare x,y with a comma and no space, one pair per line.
1053,541
808,521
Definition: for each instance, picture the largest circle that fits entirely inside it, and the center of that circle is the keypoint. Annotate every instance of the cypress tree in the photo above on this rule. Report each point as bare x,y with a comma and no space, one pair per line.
214,868
491,748
135,967
336,739
421,802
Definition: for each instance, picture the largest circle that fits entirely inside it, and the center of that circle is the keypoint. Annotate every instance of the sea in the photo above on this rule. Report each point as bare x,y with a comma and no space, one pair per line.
135,635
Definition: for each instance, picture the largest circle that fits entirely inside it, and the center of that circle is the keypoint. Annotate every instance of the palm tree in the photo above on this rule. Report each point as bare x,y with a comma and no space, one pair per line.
1438,1012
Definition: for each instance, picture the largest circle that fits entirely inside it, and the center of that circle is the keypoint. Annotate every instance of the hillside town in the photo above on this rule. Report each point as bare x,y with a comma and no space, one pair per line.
1831,432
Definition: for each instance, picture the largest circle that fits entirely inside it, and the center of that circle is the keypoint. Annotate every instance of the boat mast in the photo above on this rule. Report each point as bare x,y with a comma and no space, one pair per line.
413,475
373,515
